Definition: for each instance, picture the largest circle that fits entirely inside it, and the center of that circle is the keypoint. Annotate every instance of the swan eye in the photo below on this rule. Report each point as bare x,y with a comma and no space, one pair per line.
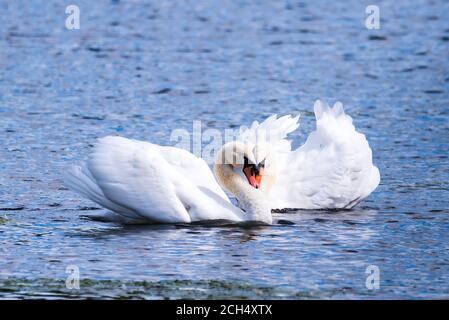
262,163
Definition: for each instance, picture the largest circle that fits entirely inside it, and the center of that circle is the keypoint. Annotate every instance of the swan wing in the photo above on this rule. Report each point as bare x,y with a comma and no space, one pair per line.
273,130
333,169
140,180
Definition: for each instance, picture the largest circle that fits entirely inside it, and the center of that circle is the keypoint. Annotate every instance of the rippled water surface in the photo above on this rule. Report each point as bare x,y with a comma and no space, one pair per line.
141,70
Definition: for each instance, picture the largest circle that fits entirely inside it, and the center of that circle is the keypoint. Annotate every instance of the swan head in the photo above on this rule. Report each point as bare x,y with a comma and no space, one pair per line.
248,171
251,166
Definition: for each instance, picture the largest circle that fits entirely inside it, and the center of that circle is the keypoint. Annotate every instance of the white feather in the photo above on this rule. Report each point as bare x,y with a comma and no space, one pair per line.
273,130
140,180
333,169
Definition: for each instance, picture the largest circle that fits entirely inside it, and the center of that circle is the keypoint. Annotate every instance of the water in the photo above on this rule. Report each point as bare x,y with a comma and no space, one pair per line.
141,70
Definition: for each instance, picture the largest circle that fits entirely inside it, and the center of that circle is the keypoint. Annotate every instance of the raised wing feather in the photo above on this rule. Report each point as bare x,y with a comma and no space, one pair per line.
273,130
333,169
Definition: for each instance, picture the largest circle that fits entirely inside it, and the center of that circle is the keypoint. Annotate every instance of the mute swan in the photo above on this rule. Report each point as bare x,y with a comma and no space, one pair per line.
145,182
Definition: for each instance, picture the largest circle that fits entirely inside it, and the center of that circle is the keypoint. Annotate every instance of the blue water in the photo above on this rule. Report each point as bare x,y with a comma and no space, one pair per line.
141,70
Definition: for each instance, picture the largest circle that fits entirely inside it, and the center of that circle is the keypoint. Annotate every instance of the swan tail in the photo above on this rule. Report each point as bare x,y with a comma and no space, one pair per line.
80,180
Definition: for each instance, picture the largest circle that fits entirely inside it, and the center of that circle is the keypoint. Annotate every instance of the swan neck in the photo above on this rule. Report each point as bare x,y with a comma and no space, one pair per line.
253,201
255,205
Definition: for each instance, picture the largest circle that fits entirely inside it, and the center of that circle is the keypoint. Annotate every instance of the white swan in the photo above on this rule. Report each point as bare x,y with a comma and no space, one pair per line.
144,182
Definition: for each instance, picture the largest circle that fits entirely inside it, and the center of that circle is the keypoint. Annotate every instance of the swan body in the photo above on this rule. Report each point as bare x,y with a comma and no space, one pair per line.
144,182
141,182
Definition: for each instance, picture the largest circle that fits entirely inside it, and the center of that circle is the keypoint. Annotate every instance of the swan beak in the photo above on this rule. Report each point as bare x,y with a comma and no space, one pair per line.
254,175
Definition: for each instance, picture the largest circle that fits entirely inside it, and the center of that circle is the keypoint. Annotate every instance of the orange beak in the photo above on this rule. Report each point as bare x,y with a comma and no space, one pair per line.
254,175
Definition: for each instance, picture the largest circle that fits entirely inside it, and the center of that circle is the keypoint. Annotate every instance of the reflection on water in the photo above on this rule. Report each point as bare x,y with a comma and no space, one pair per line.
140,70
